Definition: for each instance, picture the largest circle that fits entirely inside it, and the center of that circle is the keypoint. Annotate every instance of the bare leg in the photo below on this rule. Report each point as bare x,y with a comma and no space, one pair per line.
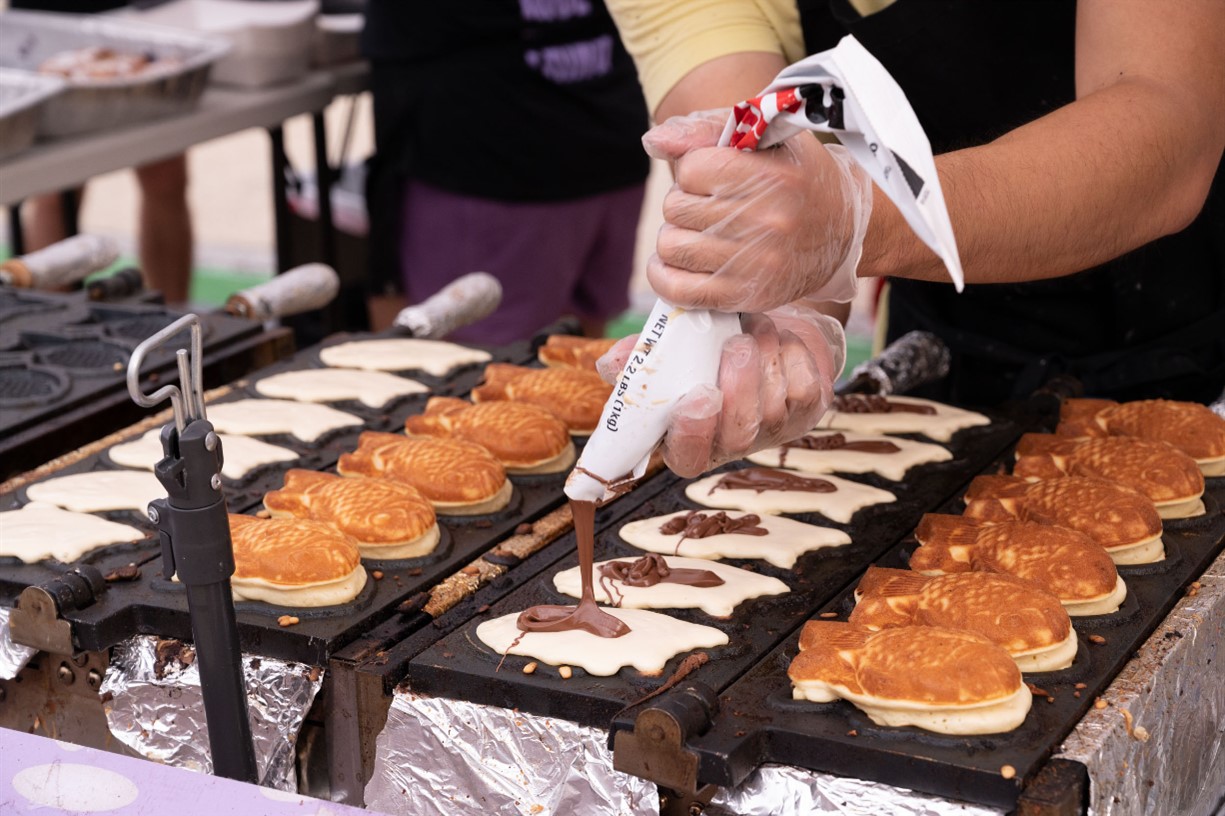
43,219
165,227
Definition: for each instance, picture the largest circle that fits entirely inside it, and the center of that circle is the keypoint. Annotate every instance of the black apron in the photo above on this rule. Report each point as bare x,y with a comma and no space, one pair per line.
1148,324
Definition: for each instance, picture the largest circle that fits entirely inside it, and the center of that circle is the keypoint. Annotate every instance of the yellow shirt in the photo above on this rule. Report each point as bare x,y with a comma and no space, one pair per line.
669,38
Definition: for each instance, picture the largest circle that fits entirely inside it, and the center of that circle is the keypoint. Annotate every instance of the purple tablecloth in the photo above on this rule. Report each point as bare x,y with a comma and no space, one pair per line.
49,778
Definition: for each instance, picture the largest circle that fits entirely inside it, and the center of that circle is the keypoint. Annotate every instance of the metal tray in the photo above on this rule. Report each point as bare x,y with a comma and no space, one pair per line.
22,97
461,665
31,37
759,722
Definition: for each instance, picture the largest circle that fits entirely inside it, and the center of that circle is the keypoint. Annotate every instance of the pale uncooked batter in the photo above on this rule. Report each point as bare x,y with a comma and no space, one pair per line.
837,505
99,491
939,426
402,354
786,541
38,531
260,417
891,465
242,454
372,388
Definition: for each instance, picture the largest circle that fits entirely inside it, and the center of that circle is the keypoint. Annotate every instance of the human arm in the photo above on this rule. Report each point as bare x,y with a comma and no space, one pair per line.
1129,161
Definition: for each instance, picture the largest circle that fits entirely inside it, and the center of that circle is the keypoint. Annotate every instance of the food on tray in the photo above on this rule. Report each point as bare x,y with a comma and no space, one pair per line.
1192,428
372,388
459,478
848,452
898,415
771,491
294,562
1120,519
99,491
98,62
942,680
241,454
526,439
713,534
1019,616
1170,478
1068,564
306,421
402,354
388,519
653,639
39,531
575,396
573,352
667,582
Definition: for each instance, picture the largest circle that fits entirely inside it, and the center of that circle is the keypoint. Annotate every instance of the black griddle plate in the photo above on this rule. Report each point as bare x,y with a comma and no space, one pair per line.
759,721
459,665
152,605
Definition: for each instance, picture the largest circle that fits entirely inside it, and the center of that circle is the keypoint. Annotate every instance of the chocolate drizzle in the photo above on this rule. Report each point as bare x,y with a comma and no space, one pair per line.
587,615
759,480
875,404
650,570
696,524
839,442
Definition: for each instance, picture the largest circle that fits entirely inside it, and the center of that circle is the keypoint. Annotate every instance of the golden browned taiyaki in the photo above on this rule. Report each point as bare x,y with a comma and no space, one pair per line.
568,351
1192,428
1170,478
943,680
524,438
294,562
1068,564
1122,520
1022,618
459,478
388,519
575,396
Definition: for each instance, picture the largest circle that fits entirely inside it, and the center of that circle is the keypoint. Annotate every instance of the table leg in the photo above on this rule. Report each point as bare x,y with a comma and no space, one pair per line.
323,180
280,205
17,238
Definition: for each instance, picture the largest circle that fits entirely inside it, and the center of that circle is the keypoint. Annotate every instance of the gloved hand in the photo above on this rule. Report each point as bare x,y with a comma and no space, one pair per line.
775,381
748,232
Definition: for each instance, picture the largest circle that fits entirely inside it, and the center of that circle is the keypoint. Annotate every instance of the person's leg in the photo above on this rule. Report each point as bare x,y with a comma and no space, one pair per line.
601,291
534,249
165,227
42,219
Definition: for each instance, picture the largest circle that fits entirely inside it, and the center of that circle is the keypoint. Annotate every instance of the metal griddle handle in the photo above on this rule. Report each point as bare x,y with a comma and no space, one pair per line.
193,525
187,398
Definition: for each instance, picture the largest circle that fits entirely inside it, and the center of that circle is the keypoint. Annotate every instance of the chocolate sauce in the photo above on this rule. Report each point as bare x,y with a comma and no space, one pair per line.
695,524
587,615
839,442
648,571
876,404
759,480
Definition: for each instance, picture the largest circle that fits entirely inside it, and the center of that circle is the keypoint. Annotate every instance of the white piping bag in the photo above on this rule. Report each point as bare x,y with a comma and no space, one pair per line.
844,91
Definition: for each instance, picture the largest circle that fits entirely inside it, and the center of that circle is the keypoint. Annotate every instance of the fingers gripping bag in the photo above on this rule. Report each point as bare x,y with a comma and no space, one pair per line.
845,92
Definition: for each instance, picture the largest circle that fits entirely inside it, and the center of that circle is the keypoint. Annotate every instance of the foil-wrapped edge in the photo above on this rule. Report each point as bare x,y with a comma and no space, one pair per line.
783,790
13,656
1158,744
463,759
153,704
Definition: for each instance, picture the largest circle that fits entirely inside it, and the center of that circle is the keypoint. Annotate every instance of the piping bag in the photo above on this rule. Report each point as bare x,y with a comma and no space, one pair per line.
844,91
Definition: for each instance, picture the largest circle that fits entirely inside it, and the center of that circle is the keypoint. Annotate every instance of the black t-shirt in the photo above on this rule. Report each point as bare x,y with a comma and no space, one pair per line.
1150,323
528,100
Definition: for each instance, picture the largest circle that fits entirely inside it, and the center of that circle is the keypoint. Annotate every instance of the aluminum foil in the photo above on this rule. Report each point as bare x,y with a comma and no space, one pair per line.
1159,744
22,96
463,759
781,790
154,706
13,656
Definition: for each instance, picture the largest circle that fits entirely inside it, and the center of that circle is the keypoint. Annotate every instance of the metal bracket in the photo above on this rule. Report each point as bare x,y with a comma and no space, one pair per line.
656,748
36,620
187,397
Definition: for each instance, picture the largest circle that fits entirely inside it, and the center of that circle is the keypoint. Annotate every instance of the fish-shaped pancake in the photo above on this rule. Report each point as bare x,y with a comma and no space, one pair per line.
388,519
294,562
524,438
1122,520
575,396
943,680
1160,471
1022,618
568,351
459,478
1068,564
1192,428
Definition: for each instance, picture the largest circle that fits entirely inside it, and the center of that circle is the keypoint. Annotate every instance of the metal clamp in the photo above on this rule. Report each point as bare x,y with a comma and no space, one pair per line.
37,619
187,397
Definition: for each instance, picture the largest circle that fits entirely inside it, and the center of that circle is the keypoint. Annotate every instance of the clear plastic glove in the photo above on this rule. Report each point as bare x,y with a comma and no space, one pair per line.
749,232
775,381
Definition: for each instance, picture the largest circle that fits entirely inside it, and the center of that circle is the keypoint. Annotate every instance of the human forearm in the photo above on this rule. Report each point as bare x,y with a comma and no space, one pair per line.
1084,184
